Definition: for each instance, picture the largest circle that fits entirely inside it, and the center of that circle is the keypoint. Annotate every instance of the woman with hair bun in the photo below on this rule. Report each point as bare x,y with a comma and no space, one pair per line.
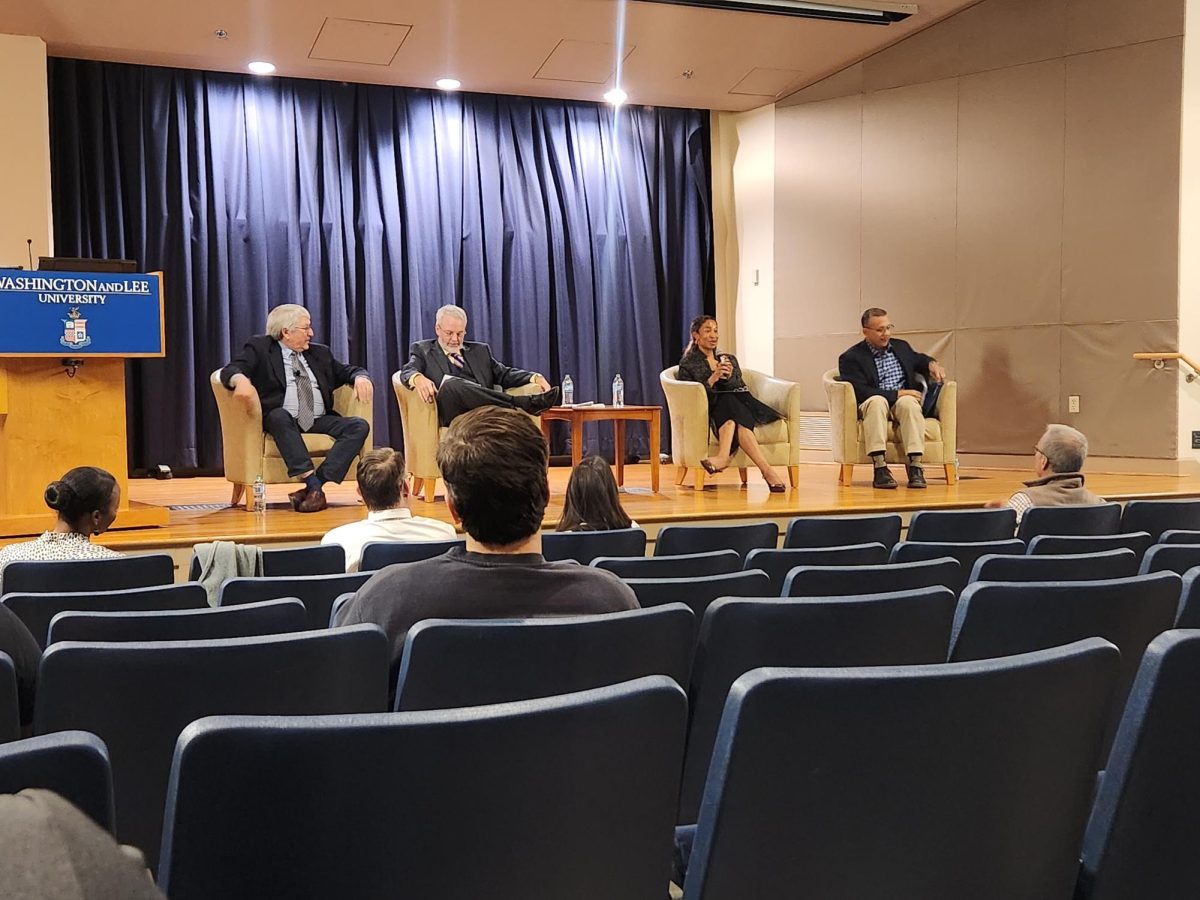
86,500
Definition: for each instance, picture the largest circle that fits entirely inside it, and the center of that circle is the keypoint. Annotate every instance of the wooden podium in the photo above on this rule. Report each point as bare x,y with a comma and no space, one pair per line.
52,420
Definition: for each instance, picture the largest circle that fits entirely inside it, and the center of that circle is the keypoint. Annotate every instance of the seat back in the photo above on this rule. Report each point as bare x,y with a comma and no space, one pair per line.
10,701
268,617
73,764
841,531
843,581
1140,840
37,610
966,553
1189,600
471,662
1003,618
1179,536
323,559
960,525
777,563
1063,544
584,546
1068,567
685,565
164,685
584,783
60,576
1100,518
699,592
904,628
1170,558
900,782
316,592
378,554
678,539
1157,516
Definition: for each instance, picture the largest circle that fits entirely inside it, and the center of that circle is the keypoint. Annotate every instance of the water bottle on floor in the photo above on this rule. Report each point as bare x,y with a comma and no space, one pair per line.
568,391
260,495
618,391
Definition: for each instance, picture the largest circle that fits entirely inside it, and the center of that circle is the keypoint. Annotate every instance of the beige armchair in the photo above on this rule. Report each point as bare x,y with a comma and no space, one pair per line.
419,421
692,439
250,451
941,434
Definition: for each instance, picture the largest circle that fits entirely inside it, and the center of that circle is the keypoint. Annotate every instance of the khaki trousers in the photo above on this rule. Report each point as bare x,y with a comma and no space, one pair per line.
906,413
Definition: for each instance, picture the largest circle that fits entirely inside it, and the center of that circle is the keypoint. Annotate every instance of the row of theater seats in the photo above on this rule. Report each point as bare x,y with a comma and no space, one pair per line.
957,780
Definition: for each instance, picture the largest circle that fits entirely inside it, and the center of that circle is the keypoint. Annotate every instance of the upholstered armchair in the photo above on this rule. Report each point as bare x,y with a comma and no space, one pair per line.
250,451
692,439
419,421
941,433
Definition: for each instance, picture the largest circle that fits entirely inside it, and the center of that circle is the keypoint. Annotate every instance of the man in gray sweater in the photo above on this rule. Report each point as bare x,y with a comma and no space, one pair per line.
494,463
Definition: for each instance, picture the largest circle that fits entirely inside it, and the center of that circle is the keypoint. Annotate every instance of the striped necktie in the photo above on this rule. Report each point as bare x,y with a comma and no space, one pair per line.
304,395
456,360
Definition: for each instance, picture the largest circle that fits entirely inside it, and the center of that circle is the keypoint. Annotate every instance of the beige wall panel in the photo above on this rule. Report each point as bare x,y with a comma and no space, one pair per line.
842,84
1126,408
926,56
999,33
818,185
938,344
1098,24
908,209
1010,188
1008,387
805,359
1121,207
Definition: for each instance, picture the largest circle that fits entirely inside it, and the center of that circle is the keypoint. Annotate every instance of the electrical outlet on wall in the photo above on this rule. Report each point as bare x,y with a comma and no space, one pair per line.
1073,403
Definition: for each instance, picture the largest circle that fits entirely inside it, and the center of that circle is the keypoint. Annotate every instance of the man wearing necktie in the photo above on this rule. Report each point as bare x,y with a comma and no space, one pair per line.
295,379
883,371
460,375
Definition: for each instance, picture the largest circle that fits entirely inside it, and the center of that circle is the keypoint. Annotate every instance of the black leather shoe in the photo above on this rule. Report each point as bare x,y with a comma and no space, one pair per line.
297,497
916,477
536,404
883,479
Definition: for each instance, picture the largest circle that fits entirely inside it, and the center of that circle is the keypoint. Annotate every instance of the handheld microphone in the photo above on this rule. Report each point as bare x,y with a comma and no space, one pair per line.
29,250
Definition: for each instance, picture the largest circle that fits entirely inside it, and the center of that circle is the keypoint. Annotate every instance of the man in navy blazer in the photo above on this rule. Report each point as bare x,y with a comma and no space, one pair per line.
294,380
460,375
883,371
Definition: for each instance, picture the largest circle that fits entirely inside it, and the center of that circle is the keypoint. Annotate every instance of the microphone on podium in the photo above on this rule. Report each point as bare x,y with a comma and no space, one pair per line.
29,250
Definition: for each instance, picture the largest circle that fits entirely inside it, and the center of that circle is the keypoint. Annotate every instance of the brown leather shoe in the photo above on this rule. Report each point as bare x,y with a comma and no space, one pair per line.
297,497
314,502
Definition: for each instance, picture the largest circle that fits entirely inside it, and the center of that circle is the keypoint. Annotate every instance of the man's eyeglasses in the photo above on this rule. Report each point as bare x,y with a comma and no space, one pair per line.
1037,449
886,329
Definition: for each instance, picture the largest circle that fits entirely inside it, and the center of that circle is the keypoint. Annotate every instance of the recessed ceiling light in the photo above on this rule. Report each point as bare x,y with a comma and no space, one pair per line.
261,67
448,84
616,96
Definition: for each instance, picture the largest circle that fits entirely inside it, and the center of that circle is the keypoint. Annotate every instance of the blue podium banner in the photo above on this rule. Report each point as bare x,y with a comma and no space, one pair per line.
81,314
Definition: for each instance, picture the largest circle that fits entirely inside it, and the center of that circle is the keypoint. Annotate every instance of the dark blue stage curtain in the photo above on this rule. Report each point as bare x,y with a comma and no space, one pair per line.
579,240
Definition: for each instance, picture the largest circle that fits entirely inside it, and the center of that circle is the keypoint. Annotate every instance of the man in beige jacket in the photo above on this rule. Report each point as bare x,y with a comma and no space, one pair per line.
1058,462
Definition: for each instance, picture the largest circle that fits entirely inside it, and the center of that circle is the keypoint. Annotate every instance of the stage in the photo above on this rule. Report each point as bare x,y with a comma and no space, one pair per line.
199,507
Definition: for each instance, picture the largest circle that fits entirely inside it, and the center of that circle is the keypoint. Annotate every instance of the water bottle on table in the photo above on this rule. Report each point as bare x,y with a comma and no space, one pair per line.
568,391
618,391
260,495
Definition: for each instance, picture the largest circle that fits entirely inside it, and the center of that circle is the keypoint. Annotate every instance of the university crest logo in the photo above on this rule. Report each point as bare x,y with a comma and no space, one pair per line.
75,334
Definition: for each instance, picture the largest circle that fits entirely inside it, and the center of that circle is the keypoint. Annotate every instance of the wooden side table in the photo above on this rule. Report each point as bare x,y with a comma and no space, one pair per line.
577,415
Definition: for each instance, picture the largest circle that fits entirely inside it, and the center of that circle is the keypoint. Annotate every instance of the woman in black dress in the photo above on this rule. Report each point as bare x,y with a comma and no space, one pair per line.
732,410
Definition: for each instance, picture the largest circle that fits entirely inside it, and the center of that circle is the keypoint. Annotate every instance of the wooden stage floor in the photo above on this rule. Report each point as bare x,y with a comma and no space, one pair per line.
199,509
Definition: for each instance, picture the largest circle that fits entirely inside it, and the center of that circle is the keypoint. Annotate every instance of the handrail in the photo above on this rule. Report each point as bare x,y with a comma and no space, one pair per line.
1159,359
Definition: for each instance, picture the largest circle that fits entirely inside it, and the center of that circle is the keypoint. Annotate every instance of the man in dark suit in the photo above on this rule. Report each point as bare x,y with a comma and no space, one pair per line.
460,375
294,380
883,371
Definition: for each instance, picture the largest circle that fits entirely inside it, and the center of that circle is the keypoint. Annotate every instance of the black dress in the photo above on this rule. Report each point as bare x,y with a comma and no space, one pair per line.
729,399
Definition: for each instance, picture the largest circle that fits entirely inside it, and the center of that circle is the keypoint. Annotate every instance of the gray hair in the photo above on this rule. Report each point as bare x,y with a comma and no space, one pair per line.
286,315
454,312
1064,447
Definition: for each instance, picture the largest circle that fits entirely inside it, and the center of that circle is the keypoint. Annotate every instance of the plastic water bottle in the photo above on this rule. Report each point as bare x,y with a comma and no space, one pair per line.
618,391
568,390
260,495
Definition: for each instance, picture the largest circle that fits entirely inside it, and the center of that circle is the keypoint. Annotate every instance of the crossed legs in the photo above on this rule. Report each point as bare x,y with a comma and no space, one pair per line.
748,443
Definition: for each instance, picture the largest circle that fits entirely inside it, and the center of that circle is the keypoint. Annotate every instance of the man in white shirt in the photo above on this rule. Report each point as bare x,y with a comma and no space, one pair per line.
383,489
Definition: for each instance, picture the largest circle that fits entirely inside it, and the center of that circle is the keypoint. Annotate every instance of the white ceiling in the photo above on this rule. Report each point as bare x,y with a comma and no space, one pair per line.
540,48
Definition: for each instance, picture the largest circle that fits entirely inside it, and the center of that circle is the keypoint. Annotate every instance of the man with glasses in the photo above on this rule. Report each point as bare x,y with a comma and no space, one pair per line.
883,371
1058,463
294,380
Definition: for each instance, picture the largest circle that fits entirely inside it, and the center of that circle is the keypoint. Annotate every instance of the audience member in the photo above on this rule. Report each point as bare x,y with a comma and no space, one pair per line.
883,371
592,502
294,380
381,485
1058,463
460,375
494,462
